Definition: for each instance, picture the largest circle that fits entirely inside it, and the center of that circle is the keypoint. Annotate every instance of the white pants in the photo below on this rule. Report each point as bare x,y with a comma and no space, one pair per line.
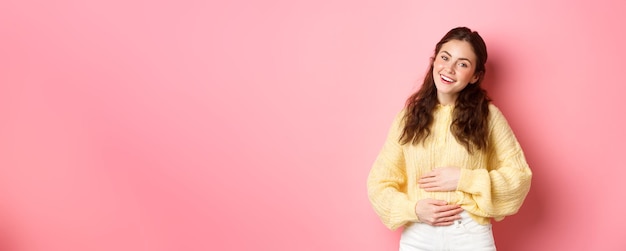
464,234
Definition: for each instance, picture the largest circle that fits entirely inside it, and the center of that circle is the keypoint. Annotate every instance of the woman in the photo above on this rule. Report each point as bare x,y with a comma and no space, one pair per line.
450,163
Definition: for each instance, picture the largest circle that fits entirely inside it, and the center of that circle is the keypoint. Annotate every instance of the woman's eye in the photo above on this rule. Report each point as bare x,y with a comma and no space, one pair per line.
444,58
463,65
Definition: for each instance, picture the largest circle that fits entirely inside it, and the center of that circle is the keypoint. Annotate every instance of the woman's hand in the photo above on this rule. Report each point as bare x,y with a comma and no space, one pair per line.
437,212
442,179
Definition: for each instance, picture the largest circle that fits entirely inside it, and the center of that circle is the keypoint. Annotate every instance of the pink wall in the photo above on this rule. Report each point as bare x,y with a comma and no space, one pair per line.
233,125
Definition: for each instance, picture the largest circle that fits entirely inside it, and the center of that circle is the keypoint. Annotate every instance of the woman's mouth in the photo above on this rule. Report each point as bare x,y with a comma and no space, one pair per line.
447,80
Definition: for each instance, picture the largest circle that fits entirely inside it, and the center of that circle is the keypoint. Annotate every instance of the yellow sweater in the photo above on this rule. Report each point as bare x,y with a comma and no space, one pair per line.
493,183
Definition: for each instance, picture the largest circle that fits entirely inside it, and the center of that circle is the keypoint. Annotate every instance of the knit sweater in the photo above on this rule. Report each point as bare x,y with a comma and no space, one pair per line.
493,183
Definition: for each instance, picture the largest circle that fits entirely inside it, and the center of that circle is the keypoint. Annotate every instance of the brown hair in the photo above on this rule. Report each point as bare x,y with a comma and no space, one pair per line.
469,124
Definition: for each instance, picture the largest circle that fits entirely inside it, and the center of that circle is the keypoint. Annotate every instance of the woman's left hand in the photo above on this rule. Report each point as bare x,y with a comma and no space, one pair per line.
441,179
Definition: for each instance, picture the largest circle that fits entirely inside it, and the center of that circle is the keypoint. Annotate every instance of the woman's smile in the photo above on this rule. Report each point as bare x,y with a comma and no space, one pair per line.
447,80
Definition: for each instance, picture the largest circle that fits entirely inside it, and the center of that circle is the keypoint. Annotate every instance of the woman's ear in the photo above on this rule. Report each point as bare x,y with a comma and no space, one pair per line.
476,77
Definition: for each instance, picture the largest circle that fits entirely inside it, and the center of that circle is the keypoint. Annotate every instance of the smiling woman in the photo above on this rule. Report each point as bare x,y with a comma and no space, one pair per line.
253,125
451,163
454,69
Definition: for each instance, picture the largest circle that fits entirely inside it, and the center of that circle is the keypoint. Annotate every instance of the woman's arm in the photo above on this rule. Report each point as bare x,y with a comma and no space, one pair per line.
387,182
500,189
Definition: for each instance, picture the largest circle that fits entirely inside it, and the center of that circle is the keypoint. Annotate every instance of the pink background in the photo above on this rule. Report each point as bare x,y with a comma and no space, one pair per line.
252,125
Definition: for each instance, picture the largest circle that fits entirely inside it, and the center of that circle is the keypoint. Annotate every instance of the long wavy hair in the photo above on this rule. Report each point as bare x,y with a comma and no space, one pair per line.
471,110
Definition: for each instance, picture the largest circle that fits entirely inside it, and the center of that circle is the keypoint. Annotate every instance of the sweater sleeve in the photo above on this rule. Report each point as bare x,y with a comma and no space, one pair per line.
387,182
499,189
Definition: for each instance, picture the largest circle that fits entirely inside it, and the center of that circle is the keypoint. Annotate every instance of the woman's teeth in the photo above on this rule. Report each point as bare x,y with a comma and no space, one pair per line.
447,78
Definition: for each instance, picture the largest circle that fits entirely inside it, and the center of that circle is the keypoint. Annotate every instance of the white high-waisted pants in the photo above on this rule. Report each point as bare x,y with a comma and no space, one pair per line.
464,234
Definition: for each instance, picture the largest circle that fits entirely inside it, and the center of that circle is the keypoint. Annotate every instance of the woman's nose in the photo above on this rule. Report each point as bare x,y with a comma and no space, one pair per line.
448,67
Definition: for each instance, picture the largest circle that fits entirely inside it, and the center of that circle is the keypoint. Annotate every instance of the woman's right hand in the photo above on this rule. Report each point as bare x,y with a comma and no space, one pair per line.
437,212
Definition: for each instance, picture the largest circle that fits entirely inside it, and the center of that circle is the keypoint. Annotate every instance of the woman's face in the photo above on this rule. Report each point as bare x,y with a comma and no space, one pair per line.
453,69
